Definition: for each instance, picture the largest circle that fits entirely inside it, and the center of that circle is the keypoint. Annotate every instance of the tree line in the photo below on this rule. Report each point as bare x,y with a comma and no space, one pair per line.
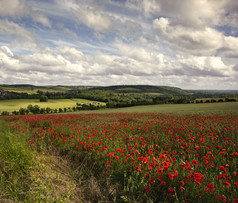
36,109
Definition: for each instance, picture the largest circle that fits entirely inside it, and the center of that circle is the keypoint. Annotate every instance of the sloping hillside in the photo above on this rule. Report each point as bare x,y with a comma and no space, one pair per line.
145,89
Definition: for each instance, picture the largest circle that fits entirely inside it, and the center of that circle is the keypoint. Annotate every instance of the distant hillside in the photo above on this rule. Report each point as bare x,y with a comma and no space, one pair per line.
164,90
32,89
148,90
216,91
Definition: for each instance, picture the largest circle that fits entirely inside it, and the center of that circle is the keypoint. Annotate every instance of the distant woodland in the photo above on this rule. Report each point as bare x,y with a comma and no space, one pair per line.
115,96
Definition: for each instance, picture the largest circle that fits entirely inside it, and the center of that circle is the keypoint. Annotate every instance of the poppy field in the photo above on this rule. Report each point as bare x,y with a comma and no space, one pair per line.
139,157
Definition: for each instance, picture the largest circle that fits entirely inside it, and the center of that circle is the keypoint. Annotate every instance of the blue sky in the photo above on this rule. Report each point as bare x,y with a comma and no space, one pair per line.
182,43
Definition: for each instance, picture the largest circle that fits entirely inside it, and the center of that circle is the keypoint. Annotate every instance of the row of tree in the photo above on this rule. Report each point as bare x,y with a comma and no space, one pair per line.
6,95
35,109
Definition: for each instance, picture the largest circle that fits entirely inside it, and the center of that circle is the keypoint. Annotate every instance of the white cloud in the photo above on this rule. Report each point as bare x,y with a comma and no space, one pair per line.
230,16
135,52
44,61
203,66
70,66
93,18
72,54
198,41
5,51
13,8
230,47
174,42
17,33
40,18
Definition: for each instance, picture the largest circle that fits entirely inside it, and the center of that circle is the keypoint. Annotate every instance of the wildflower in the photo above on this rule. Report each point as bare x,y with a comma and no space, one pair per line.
159,171
162,183
181,182
195,162
147,188
198,178
196,148
182,188
170,191
170,176
211,187
221,198
222,168
226,183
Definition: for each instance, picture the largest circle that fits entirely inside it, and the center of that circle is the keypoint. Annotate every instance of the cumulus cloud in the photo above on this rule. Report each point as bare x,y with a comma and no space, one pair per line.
44,61
72,54
235,68
135,52
5,52
40,18
230,15
13,8
230,47
198,41
93,18
203,66
194,13
158,42
70,65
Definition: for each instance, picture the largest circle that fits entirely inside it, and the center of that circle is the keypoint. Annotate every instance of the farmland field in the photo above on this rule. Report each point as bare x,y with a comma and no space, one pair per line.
138,157
16,104
204,108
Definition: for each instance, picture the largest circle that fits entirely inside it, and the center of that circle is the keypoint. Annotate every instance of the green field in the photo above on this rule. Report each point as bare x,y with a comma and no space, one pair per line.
16,104
33,90
204,108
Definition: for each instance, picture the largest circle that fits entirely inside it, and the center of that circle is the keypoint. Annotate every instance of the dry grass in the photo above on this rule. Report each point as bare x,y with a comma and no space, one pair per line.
53,180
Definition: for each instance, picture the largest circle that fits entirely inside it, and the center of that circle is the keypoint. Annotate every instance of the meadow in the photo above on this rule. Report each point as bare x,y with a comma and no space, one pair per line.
121,157
194,108
16,104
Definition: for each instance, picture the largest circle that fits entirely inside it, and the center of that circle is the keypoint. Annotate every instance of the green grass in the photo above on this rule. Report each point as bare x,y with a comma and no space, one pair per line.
204,108
30,175
16,160
16,104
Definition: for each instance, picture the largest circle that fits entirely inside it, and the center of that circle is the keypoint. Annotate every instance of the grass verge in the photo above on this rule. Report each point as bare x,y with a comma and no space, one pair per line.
16,160
27,175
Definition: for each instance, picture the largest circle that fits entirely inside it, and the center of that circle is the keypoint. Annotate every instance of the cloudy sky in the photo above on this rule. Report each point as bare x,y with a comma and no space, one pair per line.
191,44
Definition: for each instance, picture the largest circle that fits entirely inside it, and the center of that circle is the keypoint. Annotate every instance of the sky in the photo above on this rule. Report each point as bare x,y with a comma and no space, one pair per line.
190,44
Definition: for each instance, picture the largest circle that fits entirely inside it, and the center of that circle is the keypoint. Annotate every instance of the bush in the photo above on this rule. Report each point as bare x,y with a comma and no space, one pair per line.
43,98
5,113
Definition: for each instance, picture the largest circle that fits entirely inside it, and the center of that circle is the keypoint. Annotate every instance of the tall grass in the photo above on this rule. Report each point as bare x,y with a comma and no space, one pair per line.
16,160
31,174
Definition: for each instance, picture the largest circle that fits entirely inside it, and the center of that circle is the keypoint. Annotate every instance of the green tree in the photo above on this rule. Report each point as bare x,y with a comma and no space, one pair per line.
22,111
48,109
30,107
5,113
43,98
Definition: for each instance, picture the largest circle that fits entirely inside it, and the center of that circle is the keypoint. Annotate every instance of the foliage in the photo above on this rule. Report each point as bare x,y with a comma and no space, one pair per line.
43,98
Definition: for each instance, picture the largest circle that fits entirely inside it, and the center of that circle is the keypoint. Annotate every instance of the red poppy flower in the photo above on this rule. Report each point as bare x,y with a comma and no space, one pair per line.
226,183
170,191
147,188
220,198
222,168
